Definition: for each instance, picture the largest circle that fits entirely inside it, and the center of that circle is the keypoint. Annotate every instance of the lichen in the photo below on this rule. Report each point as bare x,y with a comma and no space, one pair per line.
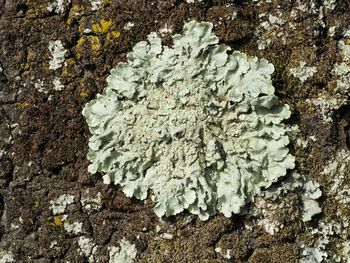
198,126
88,248
57,53
6,257
125,252
337,94
311,206
101,27
40,86
129,25
112,35
58,6
57,220
96,4
60,204
75,228
302,72
90,203
328,241
329,4
193,1
270,29
57,85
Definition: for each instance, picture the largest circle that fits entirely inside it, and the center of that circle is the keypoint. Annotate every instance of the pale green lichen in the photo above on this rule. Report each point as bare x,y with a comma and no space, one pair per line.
311,206
196,124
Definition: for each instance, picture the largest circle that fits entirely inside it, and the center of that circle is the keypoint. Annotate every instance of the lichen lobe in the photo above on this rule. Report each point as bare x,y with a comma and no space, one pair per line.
198,126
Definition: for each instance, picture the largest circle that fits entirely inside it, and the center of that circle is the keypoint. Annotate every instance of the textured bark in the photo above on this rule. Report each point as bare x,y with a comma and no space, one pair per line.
43,136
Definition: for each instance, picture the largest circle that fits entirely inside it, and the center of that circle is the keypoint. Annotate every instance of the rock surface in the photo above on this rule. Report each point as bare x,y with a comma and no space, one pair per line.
53,210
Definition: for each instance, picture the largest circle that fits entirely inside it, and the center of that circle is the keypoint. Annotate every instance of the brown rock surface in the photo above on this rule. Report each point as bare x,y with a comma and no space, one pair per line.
43,136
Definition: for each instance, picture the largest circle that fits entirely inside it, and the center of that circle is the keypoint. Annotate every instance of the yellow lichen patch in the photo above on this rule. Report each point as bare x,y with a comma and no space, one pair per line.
80,43
30,56
76,9
70,61
37,204
305,106
25,66
113,35
36,10
102,27
88,42
74,12
69,21
67,88
347,41
95,43
83,93
65,72
106,3
56,220
23,105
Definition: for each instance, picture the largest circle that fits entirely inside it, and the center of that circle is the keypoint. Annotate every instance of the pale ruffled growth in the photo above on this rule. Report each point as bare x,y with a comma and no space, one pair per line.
198,126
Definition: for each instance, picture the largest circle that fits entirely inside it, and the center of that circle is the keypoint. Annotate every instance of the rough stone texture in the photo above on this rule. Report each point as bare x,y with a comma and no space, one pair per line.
43,136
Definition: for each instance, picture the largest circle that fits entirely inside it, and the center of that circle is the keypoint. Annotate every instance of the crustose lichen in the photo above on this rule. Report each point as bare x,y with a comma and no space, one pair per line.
196,124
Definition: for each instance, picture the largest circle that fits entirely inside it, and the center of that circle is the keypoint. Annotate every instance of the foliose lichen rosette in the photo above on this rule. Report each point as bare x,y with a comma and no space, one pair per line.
195,123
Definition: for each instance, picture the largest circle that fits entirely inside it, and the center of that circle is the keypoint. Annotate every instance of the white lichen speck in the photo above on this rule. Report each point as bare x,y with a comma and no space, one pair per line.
193,1
88,248
165,30
129,25
6,257
95,4
58,6
89,202
302,72
125,252
330,4
40,86
57,54
59,205
57,85
75,228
